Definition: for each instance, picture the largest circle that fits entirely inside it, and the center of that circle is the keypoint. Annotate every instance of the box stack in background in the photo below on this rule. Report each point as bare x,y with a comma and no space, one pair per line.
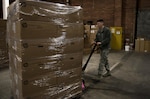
87,32
45,50
142,45
90,32
94,30
3,45
147,46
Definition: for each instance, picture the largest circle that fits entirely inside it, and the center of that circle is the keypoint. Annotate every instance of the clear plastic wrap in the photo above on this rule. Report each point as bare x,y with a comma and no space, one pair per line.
45,49
45,11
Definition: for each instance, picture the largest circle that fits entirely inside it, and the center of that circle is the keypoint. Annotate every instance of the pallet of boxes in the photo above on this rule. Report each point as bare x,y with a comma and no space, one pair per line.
3,45
142,45
90,32
45,50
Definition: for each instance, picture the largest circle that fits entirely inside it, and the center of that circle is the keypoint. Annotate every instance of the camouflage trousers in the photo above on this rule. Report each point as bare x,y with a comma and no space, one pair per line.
103,61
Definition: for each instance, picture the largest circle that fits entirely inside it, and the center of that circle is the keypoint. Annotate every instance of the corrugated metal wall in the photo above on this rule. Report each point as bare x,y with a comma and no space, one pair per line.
143,19
143,24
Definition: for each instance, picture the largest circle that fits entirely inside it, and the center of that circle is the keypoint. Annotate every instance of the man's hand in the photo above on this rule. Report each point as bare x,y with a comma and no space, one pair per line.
93,42
98,43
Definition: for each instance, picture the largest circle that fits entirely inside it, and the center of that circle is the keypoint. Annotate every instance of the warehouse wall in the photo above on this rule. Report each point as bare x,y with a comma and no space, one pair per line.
144,4
129,18
143,19
95,9
114,12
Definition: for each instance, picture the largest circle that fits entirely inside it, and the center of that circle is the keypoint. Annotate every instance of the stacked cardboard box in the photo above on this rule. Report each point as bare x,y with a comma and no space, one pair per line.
147,46
90,34
90,31
3,45
87,31
137,45
45,50
142,45
94,30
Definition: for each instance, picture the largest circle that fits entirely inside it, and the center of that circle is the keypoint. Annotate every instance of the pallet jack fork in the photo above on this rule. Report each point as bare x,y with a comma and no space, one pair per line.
85,65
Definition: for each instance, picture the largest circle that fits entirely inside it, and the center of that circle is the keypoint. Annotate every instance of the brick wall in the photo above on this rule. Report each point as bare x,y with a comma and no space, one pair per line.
144,4
118,13
129,18
96,9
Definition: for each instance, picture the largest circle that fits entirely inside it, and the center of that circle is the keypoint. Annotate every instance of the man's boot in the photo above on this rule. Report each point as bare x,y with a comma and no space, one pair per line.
100,76
107,74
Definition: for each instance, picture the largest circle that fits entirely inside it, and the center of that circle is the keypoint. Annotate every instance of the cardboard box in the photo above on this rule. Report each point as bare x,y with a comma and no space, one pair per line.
92,37
93,31
70,91
90,34
147,45
3,23
137,45
37,84
2,43
86,43
69,76
146,48
87,27
3,30
57,92
46,30
3,35
60,79
142,44
2,53
34,68
42,36
46,12
94,27
30,49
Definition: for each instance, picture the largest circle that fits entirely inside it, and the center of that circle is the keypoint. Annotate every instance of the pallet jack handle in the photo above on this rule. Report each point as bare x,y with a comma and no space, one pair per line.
92,51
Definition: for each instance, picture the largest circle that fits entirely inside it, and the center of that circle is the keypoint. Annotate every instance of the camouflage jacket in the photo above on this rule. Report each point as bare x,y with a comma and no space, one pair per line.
103,36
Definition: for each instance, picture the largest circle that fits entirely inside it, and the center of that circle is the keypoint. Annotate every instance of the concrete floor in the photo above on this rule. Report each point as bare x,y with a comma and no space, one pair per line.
5,84
114,58
129,80
130,77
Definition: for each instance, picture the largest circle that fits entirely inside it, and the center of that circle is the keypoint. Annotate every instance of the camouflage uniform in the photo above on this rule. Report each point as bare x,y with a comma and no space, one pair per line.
103,36
103,61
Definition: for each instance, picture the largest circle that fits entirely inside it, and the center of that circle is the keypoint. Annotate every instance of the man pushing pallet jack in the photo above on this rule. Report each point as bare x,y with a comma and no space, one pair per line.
102,41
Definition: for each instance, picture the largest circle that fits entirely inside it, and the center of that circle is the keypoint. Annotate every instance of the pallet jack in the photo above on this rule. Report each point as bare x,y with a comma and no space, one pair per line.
85,65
